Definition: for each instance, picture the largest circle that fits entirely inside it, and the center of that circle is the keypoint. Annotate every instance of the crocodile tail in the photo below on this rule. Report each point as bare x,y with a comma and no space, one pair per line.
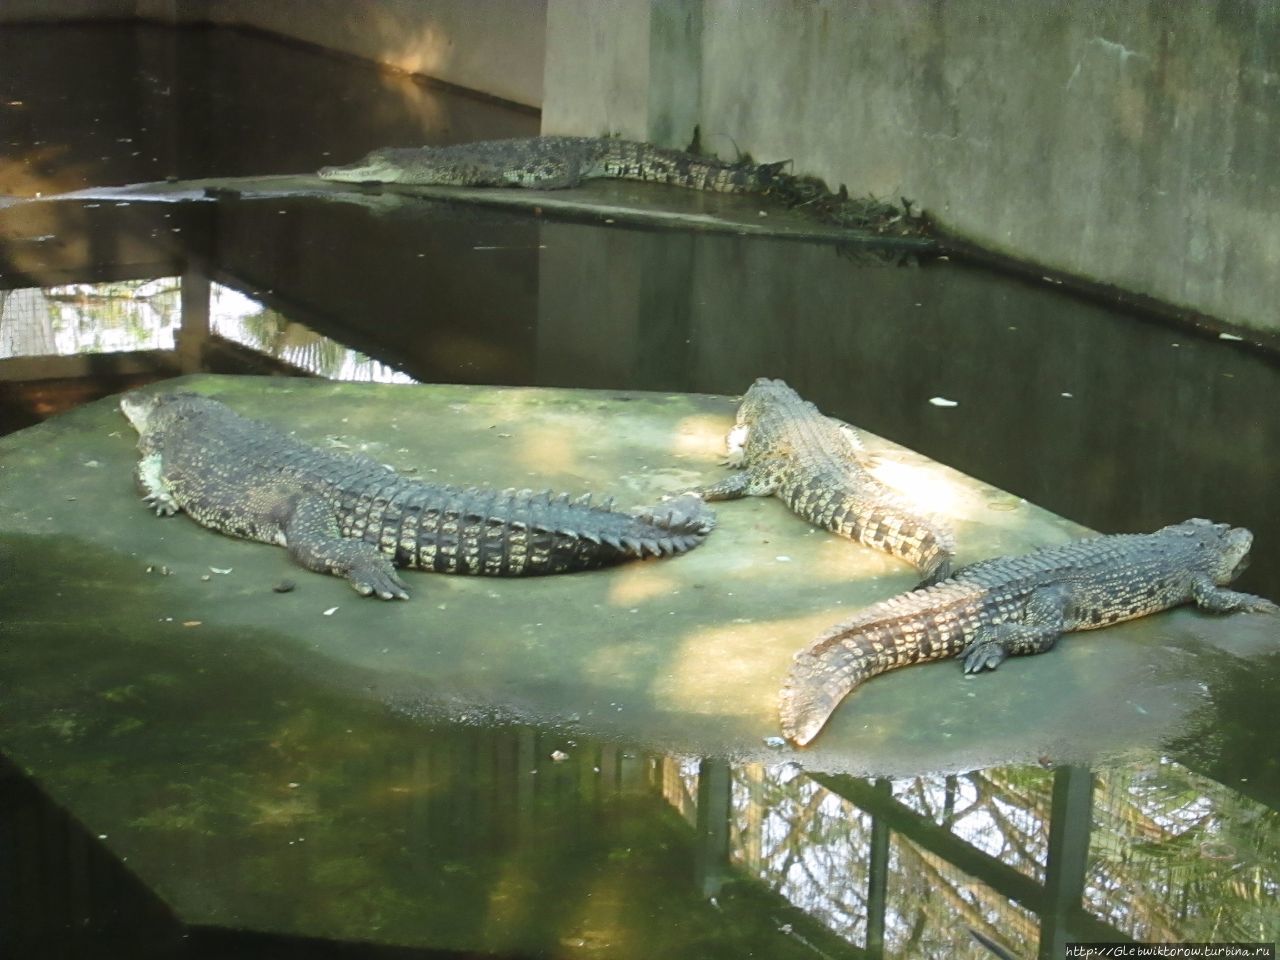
893,525
923,625
933,554
672,526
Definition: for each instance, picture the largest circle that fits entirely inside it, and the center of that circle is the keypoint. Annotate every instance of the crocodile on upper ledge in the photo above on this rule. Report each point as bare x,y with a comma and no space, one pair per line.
356,518
1020,605
552,163
784,446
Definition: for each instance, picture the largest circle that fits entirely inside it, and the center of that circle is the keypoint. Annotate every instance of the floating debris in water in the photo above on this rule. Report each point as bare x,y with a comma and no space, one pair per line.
774,743
559,756
331,611
160,569
1229,336
943,402
219,570
284,586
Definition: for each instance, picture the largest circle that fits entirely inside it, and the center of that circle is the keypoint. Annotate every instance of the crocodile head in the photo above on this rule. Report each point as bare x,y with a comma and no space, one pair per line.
1225,548
138,407
380,166
148,411
761,394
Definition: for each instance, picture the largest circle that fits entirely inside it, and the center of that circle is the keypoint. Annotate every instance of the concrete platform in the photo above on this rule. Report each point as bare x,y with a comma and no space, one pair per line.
311,762
680,655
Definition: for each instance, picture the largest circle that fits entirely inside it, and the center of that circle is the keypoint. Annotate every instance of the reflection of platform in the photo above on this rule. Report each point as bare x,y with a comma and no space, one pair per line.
195,716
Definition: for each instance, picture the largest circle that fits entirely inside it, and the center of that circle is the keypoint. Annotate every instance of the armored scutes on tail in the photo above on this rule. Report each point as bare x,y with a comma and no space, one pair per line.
356,518
1019,605
784,446
552,163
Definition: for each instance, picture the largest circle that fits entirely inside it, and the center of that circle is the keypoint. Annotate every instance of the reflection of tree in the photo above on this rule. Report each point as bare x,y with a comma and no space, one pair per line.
270,332
1179,857
274,335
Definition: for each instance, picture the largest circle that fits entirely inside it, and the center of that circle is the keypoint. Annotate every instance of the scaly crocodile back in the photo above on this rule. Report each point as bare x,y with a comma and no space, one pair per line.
550,163
228,472
821,477
1110,579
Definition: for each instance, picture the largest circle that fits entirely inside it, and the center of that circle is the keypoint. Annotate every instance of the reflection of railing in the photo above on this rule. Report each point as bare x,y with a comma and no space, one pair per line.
1023,857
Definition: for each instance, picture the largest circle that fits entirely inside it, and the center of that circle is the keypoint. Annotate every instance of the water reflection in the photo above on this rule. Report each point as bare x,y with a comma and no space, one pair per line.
239,318
147,315
531,842
83,318
1029,858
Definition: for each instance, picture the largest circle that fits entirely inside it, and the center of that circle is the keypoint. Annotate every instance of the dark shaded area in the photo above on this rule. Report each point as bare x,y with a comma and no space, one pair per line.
124,103
61,894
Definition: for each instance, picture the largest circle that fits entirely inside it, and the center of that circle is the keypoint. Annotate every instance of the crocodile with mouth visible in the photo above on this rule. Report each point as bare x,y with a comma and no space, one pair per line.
552,163
353,517
1020,605
785,446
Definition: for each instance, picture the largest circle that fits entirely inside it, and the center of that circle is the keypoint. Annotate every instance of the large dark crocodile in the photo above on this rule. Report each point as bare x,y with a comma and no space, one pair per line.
356,518
786,447
1020,605
552,163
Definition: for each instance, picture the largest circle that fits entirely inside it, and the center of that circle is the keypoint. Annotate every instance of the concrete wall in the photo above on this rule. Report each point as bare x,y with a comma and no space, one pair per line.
494,46
1130,143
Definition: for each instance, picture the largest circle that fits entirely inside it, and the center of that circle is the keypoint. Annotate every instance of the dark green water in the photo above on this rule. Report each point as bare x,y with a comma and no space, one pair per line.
485,844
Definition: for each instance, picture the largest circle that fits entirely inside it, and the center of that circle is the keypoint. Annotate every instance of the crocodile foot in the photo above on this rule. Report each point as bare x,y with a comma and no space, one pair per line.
370,577
162,503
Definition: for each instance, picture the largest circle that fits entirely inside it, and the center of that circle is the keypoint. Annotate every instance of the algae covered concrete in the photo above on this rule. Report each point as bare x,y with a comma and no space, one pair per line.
313,761
683,654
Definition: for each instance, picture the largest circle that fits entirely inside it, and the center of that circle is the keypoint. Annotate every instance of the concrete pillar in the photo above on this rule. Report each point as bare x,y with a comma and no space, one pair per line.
623,68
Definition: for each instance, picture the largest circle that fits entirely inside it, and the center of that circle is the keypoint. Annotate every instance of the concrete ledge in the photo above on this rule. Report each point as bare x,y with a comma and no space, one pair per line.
597,201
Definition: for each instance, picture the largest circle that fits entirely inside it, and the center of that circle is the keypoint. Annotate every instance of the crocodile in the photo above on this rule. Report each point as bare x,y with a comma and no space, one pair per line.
1018,605
350,516
786,447
552,163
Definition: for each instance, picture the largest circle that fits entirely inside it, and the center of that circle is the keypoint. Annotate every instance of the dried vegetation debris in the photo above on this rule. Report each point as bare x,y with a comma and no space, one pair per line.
812,196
